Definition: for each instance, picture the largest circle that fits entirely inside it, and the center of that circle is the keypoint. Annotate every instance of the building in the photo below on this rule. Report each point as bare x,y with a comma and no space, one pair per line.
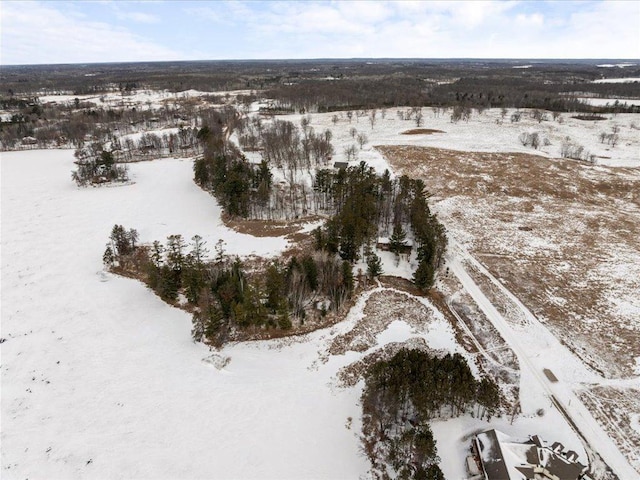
499,457
384,244
340,165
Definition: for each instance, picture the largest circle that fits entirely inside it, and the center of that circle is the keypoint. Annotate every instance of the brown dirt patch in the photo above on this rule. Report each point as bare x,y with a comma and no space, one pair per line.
267,228
561,235
422,131
382,308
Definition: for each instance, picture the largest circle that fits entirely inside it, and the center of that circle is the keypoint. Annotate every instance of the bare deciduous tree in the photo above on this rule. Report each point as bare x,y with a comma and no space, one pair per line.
351,152
362,139
372,117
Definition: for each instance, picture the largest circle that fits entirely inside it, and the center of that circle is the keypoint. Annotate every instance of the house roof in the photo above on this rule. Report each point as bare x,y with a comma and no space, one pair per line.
505,458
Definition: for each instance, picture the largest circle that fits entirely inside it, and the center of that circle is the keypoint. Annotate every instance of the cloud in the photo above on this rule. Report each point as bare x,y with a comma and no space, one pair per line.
534,19
205,13
138,17
36,33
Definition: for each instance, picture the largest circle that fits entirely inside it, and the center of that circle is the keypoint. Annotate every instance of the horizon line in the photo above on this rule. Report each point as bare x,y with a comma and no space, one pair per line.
341,59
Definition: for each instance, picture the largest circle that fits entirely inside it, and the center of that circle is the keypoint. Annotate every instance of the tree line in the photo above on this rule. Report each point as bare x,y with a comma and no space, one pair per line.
224,297
71,124
360,204
402,394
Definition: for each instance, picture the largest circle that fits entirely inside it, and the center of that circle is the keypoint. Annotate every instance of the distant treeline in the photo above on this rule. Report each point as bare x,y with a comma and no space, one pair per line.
340,84
79,122
473,92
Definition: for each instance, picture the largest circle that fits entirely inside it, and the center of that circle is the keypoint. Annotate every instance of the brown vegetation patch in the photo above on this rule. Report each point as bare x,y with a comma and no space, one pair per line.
421,131
614,408
267,228
589,117
559,234
382,308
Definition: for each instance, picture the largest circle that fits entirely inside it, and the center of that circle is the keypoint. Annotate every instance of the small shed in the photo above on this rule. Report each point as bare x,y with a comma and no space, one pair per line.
384,244
340,165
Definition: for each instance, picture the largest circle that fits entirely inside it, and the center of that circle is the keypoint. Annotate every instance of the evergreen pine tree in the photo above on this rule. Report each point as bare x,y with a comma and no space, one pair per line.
374,265
108,257
397,239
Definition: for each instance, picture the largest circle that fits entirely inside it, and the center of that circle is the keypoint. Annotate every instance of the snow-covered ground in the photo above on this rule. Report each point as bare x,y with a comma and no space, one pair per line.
487,132
152,99
609,102
100,378
618,80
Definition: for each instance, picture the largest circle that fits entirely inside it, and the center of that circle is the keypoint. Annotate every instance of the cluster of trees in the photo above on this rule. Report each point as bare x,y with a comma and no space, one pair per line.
533,140
612,137
154,145
366,205
96,166
291,149
361,203
242,188
402,394
500,90
122,243
570,149
247,189
351,93
222,295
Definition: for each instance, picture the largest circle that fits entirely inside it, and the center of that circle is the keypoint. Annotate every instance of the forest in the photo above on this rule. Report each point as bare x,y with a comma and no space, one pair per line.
402,394
303,86
359,204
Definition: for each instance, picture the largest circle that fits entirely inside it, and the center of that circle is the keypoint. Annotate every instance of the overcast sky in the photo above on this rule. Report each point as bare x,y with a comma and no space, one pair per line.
113,31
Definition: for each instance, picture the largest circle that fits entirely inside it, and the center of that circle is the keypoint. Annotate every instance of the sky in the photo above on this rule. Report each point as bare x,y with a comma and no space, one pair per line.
121,31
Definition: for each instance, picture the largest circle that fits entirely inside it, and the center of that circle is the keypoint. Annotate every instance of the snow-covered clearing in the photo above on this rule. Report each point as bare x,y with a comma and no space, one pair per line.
616,65
485,132
617,80
100,378
609,102
152,99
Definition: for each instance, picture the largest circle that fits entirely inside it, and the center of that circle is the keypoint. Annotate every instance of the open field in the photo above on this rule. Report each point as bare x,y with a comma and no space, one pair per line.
561,235
616,408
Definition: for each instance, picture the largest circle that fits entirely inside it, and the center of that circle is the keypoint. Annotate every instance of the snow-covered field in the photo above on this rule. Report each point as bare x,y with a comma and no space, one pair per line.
100,379
618,80
609,102
150,99
487,132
